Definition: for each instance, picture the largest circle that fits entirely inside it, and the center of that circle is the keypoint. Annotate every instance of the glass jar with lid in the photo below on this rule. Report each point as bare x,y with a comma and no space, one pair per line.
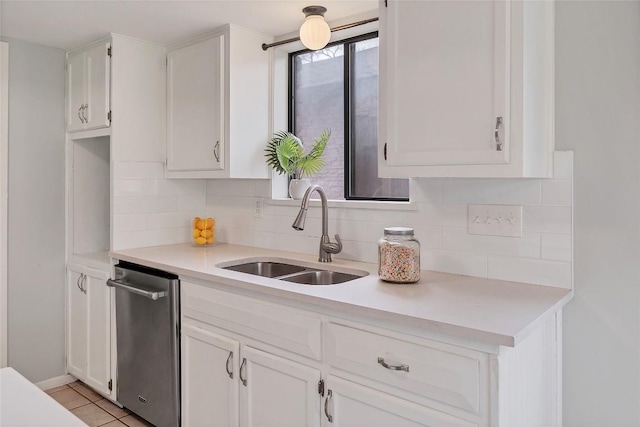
399,256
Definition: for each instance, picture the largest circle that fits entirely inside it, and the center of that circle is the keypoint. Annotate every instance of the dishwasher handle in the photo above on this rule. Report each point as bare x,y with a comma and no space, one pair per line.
148,294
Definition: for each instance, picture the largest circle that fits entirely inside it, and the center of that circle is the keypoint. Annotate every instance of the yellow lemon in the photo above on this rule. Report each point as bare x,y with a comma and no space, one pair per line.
196,232
195,221
210,240
202,224
200,240
211,222
206,233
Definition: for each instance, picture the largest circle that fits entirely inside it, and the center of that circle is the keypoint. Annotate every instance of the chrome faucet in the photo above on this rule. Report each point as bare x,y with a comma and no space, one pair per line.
326,246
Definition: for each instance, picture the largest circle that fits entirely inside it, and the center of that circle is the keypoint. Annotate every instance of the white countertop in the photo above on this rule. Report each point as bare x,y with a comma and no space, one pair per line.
22,404
489,311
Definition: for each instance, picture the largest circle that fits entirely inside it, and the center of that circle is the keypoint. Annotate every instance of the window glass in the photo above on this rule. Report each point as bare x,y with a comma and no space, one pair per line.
318,102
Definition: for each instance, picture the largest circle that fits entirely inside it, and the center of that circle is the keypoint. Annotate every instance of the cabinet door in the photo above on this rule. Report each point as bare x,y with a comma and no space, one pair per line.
76,322
351,404
278,392
446,68
209,378
75,92
195,125
99,330
97,87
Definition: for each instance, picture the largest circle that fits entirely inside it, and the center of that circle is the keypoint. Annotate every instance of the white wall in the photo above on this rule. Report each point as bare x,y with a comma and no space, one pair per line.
598,112
36,252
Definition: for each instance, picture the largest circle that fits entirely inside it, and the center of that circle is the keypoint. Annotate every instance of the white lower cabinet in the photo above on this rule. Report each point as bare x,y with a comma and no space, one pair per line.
253,363
209,378
228,384
89,304
354,405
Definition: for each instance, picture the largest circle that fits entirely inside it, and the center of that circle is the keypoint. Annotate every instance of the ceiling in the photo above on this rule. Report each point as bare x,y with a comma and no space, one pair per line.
69,24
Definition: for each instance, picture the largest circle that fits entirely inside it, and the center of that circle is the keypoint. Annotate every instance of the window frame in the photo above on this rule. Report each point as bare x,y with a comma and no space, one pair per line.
349,152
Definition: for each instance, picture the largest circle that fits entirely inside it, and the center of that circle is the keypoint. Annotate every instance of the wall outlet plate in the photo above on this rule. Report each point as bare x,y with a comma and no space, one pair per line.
258,207
495,220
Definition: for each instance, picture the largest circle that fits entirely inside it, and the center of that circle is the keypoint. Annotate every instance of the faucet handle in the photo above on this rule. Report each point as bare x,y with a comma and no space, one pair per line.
333,248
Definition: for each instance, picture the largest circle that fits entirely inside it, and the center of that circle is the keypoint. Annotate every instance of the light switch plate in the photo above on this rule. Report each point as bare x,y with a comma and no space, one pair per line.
495,220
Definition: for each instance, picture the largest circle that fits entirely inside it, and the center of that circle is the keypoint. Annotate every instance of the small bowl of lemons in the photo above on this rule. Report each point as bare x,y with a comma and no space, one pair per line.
204,231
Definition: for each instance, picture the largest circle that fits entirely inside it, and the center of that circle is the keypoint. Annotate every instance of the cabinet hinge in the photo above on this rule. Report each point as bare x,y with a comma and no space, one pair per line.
110,385
109,116
109,51
321,388
385,151
385,3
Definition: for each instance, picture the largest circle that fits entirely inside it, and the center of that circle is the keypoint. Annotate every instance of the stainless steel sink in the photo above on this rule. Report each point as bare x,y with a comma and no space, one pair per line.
266,269
293,273
320,277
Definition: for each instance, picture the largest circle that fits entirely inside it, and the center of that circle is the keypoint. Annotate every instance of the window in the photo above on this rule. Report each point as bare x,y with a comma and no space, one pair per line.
337,88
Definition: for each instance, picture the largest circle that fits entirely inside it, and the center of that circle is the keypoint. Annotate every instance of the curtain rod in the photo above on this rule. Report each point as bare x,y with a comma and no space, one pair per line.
339,28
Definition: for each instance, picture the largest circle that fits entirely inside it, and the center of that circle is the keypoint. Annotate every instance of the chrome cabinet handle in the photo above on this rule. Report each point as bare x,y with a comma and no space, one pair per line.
326,406
80,113
393,367
84,109
84,283
78,282
244,362
229,372
216,149
499,144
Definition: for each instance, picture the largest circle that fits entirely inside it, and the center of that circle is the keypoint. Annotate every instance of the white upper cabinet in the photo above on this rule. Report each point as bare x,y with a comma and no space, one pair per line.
466,89
195,106
218,106
88,74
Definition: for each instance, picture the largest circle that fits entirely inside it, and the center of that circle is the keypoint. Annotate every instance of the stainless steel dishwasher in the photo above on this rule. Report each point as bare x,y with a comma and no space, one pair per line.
148,329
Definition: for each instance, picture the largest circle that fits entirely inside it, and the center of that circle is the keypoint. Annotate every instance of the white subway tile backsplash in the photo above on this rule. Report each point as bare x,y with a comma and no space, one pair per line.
546,219
188,203
149,210
363,251
557,192
191,187
138,170
492,191
230,187
144,204
162,220
449,215
556,247
130,187
425,190
466,263
129,222
458,239
539,272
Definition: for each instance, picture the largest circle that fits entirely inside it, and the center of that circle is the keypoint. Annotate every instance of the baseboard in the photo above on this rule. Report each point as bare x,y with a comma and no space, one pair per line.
55,382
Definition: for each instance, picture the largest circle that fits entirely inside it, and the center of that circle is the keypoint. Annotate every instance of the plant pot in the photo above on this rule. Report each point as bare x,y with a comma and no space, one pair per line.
297,188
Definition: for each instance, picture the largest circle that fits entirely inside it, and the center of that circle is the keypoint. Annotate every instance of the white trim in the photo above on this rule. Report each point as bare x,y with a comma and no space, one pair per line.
4,164
55,382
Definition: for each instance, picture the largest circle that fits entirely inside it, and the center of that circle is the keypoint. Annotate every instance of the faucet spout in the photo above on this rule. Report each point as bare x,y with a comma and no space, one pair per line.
326,246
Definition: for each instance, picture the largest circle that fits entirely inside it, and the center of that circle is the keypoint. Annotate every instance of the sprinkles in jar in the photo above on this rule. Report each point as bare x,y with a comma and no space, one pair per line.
399,256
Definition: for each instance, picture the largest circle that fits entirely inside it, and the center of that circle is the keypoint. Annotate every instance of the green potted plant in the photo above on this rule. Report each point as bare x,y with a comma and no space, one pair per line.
286,155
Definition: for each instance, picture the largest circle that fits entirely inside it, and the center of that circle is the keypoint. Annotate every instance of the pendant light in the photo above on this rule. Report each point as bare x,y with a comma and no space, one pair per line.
314,32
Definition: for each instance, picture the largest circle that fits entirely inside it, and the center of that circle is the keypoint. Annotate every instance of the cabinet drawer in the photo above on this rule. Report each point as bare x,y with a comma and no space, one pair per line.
274,324
440,372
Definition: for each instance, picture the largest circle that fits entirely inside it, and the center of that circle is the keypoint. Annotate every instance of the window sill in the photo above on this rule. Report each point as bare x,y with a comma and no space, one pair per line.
350,204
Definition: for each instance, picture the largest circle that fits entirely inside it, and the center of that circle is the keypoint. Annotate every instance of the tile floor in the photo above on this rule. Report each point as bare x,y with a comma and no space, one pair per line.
92,408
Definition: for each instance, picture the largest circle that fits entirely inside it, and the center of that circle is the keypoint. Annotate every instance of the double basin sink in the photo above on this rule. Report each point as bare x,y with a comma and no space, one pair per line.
295,273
